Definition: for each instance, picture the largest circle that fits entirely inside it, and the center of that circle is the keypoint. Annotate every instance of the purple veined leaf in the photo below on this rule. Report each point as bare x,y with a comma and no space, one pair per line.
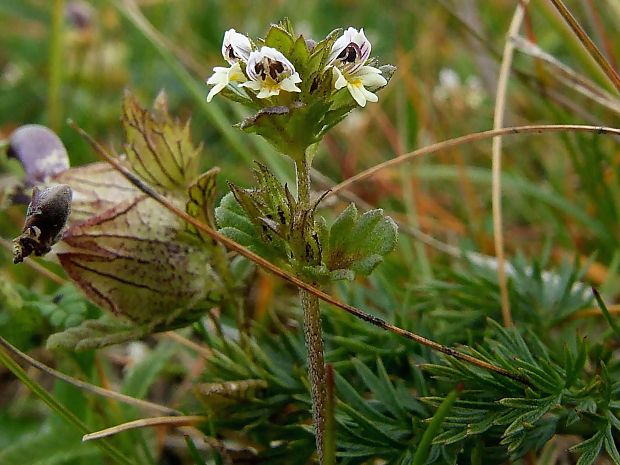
129,260
159,148
40,151
96,188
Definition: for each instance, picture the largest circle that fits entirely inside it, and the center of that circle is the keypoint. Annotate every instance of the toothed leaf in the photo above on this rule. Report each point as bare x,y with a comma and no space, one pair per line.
158,148
359,243
201,203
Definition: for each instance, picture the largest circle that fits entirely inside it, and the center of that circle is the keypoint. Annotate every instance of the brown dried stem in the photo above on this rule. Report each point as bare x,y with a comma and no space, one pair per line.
496,185
232,245
143,404
466,139
583,37
144,422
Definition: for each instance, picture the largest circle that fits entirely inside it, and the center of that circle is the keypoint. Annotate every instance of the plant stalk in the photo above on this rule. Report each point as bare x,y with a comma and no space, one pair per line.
66,414
312,326
316,366
54,107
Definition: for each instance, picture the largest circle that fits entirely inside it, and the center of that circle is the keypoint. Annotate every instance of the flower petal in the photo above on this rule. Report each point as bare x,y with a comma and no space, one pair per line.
357,94
288,85
360,47
255,67
369,95
266,92
254,85
215,90
270,72
371,77
341,81
235,47
222,77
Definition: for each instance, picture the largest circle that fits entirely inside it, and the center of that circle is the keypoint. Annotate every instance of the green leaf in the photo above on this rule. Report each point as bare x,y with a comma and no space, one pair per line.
350,396
299,55
343,225
381,387
158,148
423,449
610,445
142,375
358,243
55,447
279,38
92,334
590,448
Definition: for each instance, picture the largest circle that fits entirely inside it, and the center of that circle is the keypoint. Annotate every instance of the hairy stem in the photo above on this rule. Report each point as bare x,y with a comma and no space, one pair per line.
316,365
302,172
312,325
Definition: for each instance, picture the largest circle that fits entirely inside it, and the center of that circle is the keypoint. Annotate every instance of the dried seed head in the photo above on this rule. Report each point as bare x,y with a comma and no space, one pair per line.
46,218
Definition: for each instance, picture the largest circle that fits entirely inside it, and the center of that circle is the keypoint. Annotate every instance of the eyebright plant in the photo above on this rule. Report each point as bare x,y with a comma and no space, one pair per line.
299,89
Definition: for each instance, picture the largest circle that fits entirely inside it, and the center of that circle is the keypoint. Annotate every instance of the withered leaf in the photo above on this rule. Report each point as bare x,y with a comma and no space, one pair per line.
128,260
158,148
201,203
96,188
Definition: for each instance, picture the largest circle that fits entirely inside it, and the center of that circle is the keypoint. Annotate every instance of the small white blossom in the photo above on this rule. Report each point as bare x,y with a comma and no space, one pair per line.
269,72
350,51
356,83
451,87
222,77
236,47
348,57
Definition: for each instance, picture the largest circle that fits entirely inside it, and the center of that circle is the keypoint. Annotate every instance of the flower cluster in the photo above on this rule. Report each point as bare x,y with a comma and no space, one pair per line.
298,88
267,71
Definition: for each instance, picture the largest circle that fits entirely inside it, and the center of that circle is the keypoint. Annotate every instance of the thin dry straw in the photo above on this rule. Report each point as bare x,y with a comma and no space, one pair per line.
496,185
466,139
232,245
587,43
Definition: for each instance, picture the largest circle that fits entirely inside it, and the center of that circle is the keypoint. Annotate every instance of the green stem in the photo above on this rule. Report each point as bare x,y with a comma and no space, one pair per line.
302,172
603,307
312,324
330,421
424,447
54,113
316,366
69,416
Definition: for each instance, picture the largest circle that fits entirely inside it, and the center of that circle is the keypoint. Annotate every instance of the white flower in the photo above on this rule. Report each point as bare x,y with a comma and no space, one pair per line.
269,72
348,57
236,47
356,83
222,77
350,51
